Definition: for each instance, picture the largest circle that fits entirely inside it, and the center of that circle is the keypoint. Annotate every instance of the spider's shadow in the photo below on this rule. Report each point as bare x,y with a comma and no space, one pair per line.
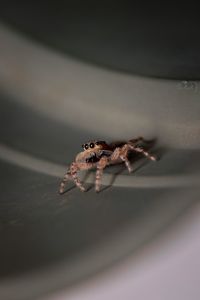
69,189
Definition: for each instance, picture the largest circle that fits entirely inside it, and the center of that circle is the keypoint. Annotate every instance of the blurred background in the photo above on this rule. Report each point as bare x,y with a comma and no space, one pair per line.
74,71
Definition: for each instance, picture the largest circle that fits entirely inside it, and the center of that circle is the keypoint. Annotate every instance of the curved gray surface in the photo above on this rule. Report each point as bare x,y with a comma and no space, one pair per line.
50,105
132,37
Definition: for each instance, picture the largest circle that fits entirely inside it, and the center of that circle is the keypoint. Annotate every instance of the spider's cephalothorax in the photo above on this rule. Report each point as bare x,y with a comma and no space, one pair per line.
93,151
99,154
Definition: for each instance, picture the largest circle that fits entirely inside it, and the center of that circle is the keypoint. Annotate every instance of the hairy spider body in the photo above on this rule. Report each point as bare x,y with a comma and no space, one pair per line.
99,154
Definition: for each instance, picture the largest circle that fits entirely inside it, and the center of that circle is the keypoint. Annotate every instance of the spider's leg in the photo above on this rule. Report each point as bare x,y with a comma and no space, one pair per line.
63,182
134,141
122,153
144,152
73,171
103,162
127,162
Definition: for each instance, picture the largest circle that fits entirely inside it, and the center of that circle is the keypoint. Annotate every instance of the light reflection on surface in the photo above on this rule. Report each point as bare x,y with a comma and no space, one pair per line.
92,98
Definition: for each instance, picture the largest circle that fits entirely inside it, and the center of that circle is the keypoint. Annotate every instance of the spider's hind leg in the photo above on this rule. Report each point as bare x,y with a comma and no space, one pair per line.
122,154
136,140
127,162
145,153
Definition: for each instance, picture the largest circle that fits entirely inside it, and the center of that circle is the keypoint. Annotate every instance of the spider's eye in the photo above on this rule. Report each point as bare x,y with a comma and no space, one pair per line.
97,143
91,145
86,146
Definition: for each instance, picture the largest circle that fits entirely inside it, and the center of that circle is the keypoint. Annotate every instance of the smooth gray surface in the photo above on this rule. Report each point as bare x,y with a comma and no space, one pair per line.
159,41
40,228
50,105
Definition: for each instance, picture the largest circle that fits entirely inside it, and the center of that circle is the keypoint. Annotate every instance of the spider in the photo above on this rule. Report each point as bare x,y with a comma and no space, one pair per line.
99,154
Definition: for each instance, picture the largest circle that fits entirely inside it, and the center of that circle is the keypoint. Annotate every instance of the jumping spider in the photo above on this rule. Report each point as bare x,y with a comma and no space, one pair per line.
99,154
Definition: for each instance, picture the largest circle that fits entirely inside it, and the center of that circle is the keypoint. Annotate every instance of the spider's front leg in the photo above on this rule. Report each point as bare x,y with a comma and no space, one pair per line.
63,182
103,162
72,173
